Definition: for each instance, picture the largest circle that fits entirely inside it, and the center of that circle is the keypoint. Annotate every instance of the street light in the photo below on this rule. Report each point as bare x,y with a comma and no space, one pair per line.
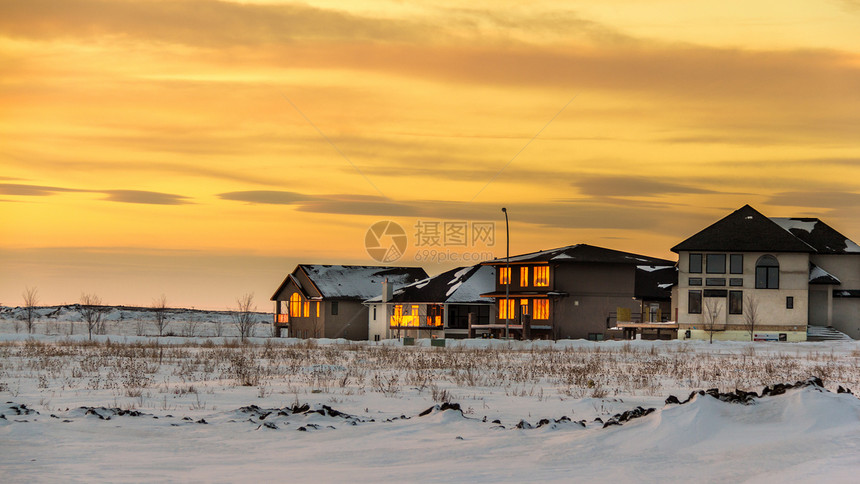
508,275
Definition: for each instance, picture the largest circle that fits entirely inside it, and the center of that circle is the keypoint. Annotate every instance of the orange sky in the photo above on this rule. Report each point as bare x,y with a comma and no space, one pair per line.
201,148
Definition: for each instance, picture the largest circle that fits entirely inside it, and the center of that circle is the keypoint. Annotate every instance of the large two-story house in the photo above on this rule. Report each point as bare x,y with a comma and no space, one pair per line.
573,292
326,301
750,276
441,306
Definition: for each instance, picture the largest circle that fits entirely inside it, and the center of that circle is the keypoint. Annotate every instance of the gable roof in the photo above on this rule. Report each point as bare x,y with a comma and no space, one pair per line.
352,282
583,253
744,230
462,285
820,236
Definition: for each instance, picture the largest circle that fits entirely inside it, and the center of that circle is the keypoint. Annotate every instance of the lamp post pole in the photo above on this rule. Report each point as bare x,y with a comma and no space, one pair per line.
508,275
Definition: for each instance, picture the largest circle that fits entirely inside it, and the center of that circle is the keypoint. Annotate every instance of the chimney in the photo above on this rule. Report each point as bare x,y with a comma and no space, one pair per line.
386,291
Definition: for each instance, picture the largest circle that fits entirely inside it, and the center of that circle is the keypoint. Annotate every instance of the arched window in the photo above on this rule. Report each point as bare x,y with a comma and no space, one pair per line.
767,272
295,305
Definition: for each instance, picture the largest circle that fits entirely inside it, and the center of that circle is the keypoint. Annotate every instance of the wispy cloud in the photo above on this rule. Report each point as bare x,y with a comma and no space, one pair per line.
632,186
124,196
145,197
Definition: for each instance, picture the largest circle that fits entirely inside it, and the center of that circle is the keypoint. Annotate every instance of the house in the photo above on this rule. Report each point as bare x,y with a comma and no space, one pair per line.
325,301
777,274
576,291
436,307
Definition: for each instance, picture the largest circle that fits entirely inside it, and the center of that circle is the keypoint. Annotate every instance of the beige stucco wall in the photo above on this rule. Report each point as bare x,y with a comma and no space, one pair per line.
771,303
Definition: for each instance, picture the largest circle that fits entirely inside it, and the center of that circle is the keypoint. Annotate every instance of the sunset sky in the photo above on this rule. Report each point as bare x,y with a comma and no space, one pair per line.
201,149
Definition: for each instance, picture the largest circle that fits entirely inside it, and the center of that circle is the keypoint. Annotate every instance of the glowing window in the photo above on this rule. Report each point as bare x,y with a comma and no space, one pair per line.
541,276
524,276
524,306
541,309
504,275
506,311
307,308
318,310
295,305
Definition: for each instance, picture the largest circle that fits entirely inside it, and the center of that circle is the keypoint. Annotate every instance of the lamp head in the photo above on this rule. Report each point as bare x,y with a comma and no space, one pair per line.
504,209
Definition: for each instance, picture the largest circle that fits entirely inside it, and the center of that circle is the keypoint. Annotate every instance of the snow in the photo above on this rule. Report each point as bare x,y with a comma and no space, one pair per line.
470,290
850,246
382,388
362,282
654,268
817,272
793,223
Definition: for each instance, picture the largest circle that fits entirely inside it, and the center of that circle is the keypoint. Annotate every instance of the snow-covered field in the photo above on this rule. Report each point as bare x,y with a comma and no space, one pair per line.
141,408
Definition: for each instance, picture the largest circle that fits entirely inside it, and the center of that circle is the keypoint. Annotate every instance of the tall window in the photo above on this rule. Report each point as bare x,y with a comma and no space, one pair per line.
506,308
736,302
504,275
541,309
695,263
541,276
307,308
716,264
767,272
295,305
334,308
524,276
524,307
318,310
736,263
694,302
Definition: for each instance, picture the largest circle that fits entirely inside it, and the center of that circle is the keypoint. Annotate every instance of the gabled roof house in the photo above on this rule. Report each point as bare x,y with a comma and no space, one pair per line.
779,275
576,291
440,306
325,301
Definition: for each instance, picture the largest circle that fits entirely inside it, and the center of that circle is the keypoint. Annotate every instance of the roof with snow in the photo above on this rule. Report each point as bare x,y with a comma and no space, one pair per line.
462,285
583,253
817,234
655,282
352,282
818,275
744,230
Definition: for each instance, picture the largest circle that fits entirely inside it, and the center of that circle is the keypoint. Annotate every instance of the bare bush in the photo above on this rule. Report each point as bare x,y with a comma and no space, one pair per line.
31,298
243,316
159,311
92,311
751,315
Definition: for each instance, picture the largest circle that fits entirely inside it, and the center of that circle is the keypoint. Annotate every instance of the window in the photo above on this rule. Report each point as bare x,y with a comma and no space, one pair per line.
524,276
334,308
715,281
318,310
374,311
295,305
694,302
736,263
736,281
695,264
524,307
504,275
541,309
736,302
715,293
695,281
716,264
767,272
397,317
506,311
789,302
307,308
541,276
